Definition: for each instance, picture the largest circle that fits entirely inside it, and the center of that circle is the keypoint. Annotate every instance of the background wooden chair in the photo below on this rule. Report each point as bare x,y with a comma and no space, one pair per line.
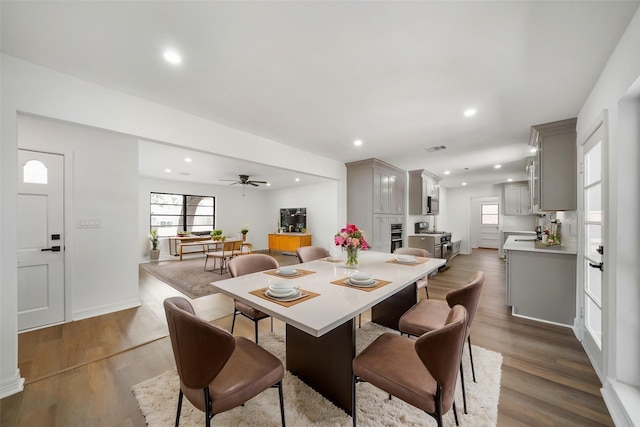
229,250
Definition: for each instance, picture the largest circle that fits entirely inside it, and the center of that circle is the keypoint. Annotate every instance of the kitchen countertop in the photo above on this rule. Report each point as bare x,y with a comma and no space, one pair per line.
530,246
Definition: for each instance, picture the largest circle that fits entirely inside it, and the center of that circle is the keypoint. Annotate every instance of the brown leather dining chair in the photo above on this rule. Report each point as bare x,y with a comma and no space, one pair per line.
431,314
311,253
421,282
217,371
247,264
421,372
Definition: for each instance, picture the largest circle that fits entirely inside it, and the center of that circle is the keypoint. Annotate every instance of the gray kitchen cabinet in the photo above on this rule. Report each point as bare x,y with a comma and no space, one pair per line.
541,284
422,184
375,200
517,199
552,171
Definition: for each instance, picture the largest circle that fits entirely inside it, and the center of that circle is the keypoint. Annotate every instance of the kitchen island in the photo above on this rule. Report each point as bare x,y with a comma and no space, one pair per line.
541,282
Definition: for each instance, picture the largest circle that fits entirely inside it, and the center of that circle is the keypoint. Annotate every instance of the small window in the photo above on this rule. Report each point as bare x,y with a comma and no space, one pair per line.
34,172
489,214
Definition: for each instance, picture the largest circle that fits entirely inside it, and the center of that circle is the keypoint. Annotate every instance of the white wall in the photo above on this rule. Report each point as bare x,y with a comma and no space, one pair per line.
44,92
101,267
618,92
319,200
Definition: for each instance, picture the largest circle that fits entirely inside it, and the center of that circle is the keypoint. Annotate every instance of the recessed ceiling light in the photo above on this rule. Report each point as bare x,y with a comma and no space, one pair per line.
533,150
187,159
357,142
297,179
447,172
497,166
172,57
464,183
167,170
510,179
470,112
268,184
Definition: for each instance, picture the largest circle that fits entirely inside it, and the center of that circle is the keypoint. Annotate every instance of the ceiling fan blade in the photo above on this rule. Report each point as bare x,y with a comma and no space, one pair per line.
259,182
253,183
228,180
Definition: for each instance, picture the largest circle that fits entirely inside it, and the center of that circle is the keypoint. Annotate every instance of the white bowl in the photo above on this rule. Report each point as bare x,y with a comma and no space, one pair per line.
281,287
406,258
287,270
361,277
282,292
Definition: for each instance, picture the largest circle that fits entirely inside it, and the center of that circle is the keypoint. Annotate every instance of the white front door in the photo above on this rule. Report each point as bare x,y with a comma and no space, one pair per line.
591,259
40,239
489,222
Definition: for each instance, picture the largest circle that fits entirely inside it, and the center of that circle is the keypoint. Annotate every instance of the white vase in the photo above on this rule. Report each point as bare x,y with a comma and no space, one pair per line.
154,254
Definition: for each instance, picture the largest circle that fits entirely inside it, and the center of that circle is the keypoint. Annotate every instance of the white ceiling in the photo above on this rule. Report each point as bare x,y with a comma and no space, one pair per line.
317,75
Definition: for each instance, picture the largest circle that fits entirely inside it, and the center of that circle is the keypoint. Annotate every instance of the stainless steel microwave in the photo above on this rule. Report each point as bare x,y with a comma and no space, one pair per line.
433,207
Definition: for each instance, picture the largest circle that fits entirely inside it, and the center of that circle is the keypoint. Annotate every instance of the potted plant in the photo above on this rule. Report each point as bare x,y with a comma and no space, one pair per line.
154,252
244,231
216,235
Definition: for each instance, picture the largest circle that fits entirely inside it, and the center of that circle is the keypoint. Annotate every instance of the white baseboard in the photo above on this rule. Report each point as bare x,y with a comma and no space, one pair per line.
623,403
106,309
13,385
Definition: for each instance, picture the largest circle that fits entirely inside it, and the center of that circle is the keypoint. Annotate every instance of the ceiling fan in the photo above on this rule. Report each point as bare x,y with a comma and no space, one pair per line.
244,180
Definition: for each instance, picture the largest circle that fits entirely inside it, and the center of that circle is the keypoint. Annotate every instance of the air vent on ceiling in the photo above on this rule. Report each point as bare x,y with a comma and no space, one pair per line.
436,148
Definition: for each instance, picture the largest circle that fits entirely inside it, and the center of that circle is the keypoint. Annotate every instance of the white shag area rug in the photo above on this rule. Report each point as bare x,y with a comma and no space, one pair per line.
158,397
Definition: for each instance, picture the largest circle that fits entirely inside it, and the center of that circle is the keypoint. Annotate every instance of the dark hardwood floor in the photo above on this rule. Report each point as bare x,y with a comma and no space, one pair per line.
81,373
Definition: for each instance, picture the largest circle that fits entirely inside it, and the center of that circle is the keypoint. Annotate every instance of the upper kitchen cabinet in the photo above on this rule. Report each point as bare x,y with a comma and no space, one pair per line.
552,172
384,182
422,185
517,199
375,199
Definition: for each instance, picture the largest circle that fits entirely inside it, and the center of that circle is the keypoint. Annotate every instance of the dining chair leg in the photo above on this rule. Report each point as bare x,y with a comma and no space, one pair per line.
233,322
281,402
255,322
354,381
464,394
271,324
180,396
473,370
455,413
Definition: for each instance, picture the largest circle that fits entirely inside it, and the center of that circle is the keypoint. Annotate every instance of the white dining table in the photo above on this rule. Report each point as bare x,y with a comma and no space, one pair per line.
320,340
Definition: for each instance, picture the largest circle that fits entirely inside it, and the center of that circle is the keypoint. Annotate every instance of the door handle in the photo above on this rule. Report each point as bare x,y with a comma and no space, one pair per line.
599,266
52,249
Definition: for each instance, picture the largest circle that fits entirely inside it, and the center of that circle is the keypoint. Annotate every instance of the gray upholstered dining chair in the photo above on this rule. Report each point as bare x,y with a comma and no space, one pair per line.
217,371
421,372
421,282
311,253
247,264
429,315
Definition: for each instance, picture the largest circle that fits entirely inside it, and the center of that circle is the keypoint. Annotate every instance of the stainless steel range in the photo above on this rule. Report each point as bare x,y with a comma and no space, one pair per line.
437,243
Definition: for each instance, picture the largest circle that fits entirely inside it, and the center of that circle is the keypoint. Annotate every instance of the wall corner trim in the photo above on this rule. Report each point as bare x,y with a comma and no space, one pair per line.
13,385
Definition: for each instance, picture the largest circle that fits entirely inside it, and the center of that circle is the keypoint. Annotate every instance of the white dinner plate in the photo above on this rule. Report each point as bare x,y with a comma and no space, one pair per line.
362,285
293,297
287,272
282,293
406,261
